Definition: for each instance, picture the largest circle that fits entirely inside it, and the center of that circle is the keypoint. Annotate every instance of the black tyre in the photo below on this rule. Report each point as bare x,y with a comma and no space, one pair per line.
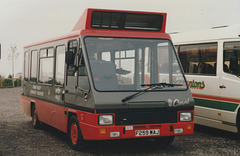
238,124
75,135
167,140
35,122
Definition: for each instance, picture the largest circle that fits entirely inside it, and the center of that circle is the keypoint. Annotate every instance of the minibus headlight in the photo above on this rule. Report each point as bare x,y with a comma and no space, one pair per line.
105,119
185,116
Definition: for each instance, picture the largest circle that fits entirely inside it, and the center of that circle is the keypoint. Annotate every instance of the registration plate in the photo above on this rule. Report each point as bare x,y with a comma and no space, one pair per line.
149,132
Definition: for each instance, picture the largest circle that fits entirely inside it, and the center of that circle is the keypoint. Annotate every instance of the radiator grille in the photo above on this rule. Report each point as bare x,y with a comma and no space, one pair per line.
146,116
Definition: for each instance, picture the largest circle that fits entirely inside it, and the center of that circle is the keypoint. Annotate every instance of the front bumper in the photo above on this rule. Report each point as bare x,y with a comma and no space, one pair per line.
129,131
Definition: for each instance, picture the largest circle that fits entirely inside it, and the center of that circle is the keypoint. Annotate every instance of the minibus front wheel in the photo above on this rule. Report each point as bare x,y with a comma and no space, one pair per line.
75,135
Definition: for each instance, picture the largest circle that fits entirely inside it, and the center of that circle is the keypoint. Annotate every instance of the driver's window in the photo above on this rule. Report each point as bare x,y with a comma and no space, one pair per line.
83,82
71,68
231,58
81,66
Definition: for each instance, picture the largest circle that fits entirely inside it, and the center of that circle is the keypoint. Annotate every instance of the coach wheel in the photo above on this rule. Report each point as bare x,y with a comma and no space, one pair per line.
35,121
238,124
165,140
75,135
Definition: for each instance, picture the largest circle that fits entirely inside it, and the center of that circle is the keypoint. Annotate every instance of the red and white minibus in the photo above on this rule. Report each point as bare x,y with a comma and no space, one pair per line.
115,76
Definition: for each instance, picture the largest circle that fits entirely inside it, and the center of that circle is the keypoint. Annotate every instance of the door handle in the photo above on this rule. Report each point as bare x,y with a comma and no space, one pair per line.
222,86
85,97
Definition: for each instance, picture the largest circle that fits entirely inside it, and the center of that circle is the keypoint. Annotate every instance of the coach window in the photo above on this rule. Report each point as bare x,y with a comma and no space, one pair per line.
26,66
33,75
231,58
199,59
46,66
60,64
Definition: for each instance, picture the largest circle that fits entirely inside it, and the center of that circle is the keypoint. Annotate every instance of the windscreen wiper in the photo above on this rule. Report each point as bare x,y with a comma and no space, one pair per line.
162,84
151,87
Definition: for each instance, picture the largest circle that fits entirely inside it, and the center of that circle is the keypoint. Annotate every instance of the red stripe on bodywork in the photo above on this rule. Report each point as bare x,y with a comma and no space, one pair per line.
216,98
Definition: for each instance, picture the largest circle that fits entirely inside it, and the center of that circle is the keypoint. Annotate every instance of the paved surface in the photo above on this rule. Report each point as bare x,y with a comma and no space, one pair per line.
18,137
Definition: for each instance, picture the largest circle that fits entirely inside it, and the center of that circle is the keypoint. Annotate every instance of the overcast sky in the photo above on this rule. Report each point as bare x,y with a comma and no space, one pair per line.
23,22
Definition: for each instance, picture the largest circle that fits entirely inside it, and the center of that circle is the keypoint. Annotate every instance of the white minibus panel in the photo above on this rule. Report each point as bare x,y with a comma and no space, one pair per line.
211,63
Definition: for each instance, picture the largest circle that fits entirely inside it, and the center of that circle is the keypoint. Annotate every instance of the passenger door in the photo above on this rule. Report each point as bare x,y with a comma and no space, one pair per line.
199,62
230,81
71,75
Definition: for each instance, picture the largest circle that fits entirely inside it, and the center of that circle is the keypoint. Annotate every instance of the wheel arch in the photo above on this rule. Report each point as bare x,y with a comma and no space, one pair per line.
238,114
70,114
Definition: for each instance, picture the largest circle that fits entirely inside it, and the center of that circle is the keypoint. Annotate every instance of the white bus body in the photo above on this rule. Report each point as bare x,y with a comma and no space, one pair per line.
211,62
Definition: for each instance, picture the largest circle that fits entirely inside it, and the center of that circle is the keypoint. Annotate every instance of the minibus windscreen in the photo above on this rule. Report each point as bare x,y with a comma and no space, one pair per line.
119,64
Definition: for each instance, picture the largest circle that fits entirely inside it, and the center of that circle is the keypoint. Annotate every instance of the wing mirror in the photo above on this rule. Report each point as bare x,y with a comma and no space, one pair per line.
69,57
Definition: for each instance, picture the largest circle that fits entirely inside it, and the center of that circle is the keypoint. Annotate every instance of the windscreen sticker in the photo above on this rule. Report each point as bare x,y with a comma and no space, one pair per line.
196,85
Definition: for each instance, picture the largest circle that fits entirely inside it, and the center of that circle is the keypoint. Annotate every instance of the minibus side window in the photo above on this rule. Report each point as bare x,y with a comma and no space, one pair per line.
26,66
199,59
46,66
33,77
60,64
231,58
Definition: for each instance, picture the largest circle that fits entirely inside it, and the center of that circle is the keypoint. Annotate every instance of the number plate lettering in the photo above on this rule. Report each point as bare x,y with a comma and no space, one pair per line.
149,132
